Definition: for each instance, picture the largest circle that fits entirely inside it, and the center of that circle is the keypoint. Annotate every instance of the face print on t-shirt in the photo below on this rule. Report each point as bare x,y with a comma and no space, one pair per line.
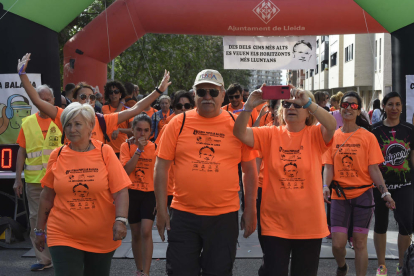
82,197
140,174
209,143
206,153
291,178
347,153
81,190
347,163
291,170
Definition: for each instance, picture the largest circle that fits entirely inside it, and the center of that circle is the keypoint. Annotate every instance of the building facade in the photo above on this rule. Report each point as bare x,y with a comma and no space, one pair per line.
270,77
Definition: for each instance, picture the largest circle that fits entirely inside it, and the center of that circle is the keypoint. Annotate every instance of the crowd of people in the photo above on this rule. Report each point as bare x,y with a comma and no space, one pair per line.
101,162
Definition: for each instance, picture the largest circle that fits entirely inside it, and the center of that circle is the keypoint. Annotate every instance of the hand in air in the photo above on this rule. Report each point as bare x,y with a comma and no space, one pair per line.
22,64
165,81
255,99
299,96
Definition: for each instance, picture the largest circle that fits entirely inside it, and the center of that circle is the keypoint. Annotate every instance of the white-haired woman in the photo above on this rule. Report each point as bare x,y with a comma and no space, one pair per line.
83,180
292,215
159,118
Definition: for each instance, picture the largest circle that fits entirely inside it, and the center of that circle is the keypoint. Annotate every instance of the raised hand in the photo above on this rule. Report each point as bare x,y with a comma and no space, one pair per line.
22,64
299,96
141,143
255,98
165,82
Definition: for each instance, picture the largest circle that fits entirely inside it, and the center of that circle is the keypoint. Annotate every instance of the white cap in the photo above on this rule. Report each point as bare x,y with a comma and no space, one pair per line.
209,76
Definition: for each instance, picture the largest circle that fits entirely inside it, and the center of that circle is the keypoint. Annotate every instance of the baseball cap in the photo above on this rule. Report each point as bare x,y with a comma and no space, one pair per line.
209,76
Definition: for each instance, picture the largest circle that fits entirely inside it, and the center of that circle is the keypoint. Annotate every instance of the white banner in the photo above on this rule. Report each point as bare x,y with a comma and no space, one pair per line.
409,98
14,105
269,53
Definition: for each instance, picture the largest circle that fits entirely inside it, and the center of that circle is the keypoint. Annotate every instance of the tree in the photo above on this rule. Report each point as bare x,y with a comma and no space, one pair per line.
144,62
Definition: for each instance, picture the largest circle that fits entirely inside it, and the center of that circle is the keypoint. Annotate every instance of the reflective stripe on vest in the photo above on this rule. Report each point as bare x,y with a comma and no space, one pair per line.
38,147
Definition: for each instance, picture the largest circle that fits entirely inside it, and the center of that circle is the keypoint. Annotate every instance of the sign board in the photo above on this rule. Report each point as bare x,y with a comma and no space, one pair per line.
14,105
409,100
269,53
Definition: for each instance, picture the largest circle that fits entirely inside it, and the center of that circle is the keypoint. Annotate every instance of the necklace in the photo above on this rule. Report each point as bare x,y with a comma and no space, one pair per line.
89,144
348,132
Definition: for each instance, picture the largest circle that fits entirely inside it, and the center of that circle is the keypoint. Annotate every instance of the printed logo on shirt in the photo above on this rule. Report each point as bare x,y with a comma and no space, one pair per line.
291,179
82,200
53,130
396,154
290,155
141,169
209,143
347,155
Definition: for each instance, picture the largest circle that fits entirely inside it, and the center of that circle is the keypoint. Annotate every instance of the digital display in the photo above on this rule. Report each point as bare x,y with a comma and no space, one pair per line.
8,155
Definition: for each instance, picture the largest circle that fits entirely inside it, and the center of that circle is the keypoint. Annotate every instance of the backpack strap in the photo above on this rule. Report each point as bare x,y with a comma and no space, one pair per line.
102,153
227,107
62,140
231,115
60,150
182,125
102,124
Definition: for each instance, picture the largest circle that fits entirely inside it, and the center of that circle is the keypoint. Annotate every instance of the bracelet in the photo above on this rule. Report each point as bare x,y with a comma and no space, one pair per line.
308,103
39,231
325,185
385,194
122,219
21,71
311,113
139,151
158,90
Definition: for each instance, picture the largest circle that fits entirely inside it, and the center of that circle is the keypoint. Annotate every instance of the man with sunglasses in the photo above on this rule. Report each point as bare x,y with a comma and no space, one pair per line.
203,230
234,93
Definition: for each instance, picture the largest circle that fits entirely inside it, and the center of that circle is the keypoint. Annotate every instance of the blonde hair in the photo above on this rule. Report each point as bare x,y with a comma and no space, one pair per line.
311,120
337,97
74,109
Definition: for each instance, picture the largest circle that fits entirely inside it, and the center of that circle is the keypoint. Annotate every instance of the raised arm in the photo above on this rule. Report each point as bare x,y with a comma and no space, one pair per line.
47,108
144,103
240,130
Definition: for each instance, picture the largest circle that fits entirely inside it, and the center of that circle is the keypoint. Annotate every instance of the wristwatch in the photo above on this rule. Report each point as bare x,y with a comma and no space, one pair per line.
122,219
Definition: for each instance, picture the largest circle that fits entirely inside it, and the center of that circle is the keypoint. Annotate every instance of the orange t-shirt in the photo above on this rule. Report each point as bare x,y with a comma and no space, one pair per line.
352,160
206,155
292,201
44,126
116,144
259,107
163,121
129,101
111,121
266,119
83,211
143,176
332,108
253,115
150,112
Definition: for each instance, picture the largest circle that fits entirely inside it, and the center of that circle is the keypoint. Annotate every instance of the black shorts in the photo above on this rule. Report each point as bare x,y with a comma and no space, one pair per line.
141,206
169,201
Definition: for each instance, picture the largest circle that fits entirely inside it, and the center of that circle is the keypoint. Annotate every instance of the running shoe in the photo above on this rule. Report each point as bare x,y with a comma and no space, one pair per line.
382,271
351,243
39,267
340,272
399,270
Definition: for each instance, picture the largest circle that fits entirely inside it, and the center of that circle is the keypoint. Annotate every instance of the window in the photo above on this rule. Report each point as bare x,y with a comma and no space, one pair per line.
317,44
322,39
311,72
317,69
379,60
333,59
376,53
307,74
349,53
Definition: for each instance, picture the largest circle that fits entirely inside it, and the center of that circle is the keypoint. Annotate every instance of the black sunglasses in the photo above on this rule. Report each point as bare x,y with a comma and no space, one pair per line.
234,97
179,106
83,97
202,92
116,92
345,105
288,105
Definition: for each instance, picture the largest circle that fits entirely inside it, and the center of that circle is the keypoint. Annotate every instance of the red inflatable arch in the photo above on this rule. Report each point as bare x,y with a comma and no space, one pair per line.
86,54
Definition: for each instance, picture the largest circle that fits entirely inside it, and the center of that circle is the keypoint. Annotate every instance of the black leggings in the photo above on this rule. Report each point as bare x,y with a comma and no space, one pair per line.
403,212
258,203
276,255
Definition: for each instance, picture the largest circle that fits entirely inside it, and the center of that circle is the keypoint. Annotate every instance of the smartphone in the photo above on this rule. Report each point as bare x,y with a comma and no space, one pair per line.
276,92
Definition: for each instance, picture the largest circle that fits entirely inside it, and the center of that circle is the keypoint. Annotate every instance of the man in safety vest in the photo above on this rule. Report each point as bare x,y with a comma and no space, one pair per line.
38,137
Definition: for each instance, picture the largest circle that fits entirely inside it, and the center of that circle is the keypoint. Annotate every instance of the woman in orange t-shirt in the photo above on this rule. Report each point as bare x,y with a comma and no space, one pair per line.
352,163
138,160
85,204
292,155
114,93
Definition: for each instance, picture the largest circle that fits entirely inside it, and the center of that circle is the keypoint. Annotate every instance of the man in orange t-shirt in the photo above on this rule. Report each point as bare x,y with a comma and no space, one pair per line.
206,202
234,93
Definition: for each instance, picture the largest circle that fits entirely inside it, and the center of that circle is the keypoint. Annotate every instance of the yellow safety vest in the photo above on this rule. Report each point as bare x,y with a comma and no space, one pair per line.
38,149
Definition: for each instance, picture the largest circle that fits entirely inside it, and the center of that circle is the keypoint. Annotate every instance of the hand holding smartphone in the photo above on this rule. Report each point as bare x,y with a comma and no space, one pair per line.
276,92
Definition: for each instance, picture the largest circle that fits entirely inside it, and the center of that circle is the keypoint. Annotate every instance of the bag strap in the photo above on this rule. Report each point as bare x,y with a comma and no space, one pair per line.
60,150
340,192
231,115
102,124
182,124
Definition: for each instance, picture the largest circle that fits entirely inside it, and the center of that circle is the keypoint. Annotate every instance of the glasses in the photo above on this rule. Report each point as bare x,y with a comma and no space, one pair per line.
345,105
202,92
234,97
287,105
180,106
83,97
111,92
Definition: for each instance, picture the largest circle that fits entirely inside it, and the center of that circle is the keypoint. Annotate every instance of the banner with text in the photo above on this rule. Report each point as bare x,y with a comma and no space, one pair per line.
14,105
409,98
269,53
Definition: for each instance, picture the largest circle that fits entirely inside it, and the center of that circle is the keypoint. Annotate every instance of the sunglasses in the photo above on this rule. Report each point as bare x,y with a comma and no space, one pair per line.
180,106
202,92
345,105
83,97
234,97
111,92
287,105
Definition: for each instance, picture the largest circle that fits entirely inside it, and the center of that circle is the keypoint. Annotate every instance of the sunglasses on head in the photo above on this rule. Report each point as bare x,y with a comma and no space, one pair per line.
83,97
234,97
116,92
179,106
201,92
345,105
288,105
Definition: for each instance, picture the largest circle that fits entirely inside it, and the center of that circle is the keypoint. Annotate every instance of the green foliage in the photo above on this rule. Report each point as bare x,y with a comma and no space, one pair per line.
145,61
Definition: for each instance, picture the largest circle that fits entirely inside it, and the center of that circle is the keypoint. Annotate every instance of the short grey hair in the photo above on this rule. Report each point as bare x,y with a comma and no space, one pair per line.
74,109
164,97
42,87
